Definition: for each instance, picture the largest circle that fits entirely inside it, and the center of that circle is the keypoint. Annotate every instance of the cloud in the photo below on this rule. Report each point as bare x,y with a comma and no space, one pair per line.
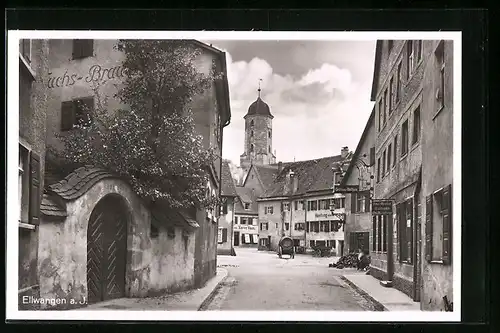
315,114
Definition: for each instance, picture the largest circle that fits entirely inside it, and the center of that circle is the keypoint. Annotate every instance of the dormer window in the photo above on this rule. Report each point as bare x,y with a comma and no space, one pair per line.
246,205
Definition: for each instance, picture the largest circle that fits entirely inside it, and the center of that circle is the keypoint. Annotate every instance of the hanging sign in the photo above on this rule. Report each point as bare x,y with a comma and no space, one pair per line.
381,207
347,189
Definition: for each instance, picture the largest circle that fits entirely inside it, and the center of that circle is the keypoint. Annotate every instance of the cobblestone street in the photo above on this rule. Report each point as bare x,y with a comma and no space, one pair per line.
262,281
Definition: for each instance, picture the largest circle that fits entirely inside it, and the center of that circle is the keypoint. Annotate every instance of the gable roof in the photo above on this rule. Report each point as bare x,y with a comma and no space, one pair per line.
376,70
266,174
228,188
313,175
246,195
355,156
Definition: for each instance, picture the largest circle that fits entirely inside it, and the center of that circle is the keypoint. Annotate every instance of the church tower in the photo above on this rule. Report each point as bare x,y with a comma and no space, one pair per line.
258,135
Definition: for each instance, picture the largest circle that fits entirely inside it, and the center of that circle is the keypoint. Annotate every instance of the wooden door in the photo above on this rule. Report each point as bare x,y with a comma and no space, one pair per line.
106,251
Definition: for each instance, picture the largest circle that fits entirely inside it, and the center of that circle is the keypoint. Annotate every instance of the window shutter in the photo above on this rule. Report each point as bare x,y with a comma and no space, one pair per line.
409,229
224,209
354,198
447,225
366,241
35,192
224,235
67,115
367,201
428,228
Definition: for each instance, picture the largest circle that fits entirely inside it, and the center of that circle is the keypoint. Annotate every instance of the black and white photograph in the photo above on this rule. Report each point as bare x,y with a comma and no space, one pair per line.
210,175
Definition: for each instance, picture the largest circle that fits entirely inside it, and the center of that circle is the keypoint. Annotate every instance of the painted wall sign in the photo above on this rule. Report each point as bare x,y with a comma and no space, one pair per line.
96,73
347,189
324,215
382,207
239,227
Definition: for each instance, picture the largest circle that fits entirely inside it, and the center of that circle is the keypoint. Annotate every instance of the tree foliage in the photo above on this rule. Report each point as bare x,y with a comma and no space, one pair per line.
151,142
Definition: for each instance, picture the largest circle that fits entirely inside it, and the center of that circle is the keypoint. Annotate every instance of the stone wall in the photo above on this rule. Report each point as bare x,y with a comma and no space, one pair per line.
153,266
33,106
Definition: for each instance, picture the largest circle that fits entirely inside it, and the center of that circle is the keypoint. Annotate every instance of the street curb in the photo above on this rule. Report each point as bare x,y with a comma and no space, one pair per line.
212,294
378,306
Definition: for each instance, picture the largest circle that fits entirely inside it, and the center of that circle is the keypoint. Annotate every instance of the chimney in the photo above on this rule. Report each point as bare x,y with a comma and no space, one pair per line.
295,183
344,151
280,166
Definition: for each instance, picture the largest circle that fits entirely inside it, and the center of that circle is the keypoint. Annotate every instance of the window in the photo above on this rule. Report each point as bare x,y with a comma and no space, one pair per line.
398,83
416,125
395,149
389,152
404,138
25,50
269,134
379,233
254,221
414,52
76,113
23,183
359,241
269,209
251,134
296,205
390,44
384,156
338,203
251,148
385,107
287,226
243,220
29,175
312,205
330,243
418,51
236,218
404,213
410,58
324,204
391,83
380,111
441,66
335,226
251,123
372,156
247,206
374,233
438,224
154,232
264,226
312,243
385,236
360,202
286,206
83,48
299,226
378,169
277,226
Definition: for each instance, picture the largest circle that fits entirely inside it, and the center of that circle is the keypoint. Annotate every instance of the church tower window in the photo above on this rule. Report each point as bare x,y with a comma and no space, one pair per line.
251,134
251,123
251,148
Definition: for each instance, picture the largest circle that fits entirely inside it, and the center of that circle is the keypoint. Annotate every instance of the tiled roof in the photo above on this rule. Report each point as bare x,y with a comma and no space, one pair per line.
50,207
78,182
228,188
174,218
313,175
246,195
267,174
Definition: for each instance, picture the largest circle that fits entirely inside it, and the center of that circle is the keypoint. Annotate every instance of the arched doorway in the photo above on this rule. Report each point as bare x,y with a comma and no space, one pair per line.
107,249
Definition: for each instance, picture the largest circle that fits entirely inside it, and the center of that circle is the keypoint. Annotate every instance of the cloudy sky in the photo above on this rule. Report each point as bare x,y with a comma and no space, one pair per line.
318,92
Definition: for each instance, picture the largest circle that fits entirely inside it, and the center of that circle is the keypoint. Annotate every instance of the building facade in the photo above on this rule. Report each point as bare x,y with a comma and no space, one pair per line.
226,218
149,250
258,135
33,104
412,83
437,176
245,221
358,233
299,204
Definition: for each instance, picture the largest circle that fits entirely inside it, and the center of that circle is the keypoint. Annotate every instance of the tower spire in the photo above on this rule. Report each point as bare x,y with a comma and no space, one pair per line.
259,88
